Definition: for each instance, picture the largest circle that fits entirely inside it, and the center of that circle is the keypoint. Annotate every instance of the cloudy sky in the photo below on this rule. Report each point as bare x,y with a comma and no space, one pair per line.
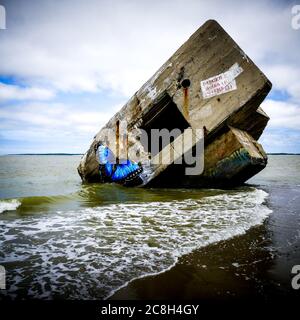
67,66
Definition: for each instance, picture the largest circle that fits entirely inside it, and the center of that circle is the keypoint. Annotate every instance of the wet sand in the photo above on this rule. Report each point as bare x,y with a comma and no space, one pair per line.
256,265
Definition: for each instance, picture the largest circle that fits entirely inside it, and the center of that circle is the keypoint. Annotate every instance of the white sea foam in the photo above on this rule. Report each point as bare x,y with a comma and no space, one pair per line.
9,205
92,252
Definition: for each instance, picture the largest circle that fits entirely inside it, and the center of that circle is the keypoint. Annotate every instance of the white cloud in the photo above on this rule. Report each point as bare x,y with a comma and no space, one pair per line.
282,114
13,92
286,77
281,141
75,46
88,46
50,119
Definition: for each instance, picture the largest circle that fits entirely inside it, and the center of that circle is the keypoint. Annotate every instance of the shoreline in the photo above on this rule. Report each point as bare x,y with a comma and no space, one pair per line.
199,275
255,265
237,274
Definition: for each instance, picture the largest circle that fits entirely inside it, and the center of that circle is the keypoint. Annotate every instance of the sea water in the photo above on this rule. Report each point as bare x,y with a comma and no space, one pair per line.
60,238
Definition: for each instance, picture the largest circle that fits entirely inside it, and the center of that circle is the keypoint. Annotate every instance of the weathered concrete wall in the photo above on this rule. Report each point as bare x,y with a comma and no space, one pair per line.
232,158
254,123
211,81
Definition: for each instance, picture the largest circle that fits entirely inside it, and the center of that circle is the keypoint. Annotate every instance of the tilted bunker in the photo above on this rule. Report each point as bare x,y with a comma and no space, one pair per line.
211,91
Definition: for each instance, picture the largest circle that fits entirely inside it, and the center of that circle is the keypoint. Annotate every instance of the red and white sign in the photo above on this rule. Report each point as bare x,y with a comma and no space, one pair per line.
221,83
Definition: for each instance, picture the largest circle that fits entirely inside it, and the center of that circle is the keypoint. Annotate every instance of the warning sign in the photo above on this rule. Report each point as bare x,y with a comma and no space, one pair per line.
221,83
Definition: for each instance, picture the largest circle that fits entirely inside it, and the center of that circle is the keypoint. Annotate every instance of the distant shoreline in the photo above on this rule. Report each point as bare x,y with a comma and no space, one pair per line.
283,154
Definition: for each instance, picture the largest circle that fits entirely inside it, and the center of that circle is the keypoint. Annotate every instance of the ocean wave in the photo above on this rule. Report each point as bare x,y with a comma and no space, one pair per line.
92,252
9,205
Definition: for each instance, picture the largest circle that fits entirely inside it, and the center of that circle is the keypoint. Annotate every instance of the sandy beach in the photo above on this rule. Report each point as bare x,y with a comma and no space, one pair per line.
254,265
